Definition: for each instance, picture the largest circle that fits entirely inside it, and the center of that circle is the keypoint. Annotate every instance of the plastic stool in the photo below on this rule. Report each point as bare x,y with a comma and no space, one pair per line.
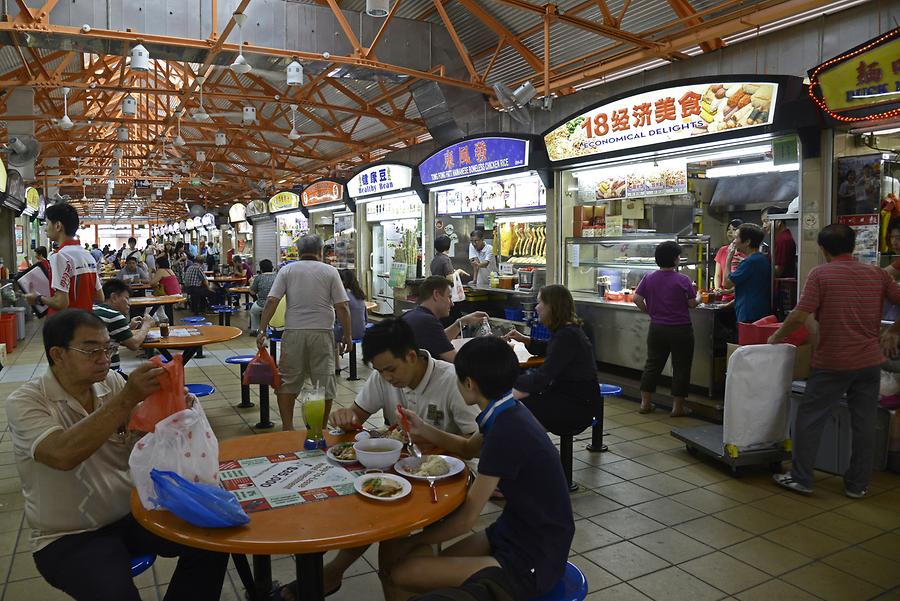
572,587
353,377
274,339
200,390
196,319
141,564
596,445
242,360
224,312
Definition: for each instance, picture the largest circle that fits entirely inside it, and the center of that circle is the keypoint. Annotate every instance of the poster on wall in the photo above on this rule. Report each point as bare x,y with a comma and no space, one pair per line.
20,240
858,185
866,228
664,115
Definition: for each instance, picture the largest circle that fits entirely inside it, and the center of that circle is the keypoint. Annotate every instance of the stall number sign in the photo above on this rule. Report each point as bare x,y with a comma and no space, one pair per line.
680,113
474,157
323,192
865,77
380,179
284,201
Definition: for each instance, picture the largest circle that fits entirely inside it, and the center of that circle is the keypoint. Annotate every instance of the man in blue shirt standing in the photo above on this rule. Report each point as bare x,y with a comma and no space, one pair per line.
752,280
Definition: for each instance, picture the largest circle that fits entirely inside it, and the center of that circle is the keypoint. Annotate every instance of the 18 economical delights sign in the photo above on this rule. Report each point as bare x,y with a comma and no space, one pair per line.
665,115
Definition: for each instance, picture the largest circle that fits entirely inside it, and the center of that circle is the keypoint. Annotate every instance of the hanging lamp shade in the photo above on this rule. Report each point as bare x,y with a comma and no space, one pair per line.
221,140
122,133
201,156
295,74
378,8
129,106
140,58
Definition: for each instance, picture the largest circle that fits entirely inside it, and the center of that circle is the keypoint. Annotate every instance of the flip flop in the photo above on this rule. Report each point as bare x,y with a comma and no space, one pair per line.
645,410
684,413
294,589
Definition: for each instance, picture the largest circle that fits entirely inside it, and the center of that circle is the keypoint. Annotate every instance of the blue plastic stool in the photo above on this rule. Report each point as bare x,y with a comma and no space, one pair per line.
242,360
224,312
596,445
200,390
353,377
572,587
196,319
141,564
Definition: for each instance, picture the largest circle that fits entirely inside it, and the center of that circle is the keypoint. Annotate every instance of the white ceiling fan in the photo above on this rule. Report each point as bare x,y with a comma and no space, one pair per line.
240,64
65,123
179,141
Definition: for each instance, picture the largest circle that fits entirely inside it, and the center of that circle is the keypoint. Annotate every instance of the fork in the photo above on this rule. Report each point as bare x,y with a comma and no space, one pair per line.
413,448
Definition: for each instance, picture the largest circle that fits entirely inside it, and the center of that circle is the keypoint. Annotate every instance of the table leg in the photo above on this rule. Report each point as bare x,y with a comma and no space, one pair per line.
353,377
245,390
221,318
596,445
188,354
170,312
310,576
228,318
243,569
165,353
262,577
264,421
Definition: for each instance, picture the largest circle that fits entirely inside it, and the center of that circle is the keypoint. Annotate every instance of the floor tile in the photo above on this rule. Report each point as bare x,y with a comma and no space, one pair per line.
629,470
705,500
700,474
36,589
775,590
667,511
789,506
674,584
627,523
751,519
630,449
671,545
626,560
627,493
830,584
589,536
724,572
842,527
868,566
871,514
807,541
713,532
619,592
767,556
886,545
663,484
589,503
663,461
593,477
597,577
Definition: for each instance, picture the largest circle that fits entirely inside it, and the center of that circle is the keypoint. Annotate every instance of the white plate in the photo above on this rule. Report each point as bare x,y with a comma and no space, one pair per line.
408,466
330,454
407,487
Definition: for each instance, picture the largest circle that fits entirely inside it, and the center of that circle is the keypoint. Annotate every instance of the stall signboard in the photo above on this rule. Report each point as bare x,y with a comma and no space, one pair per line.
474,158
237,213
684,112
208,221
404,207
283,202
322,193
518,193
380,179
32,201
863,84
257,207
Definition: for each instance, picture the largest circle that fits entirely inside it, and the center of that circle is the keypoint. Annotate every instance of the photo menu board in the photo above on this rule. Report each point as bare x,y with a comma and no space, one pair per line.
664,178
519,193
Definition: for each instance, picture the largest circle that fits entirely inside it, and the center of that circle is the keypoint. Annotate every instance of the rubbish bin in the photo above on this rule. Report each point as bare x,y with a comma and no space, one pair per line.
20,320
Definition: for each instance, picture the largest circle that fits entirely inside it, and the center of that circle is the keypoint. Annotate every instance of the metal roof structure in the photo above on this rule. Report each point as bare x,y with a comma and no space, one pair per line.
352,107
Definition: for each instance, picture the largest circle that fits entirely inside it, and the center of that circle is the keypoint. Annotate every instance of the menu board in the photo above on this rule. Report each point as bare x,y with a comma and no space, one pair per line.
474,157
518,193
262,483
664,178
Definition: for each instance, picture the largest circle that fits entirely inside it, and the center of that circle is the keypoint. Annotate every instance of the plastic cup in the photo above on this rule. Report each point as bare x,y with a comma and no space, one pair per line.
314,416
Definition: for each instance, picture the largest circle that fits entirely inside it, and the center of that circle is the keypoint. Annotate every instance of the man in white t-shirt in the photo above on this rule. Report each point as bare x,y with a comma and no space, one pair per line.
315,294
481,255
73,271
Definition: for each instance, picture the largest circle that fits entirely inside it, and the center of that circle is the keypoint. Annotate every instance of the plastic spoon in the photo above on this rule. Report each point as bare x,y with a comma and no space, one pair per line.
413,448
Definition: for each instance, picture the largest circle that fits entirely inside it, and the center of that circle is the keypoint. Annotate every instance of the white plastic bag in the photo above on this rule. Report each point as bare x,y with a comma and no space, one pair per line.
889,384
457,292
183,443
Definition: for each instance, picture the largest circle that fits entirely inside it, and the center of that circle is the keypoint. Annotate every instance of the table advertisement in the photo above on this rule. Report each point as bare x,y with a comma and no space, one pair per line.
262,483
665,115
478,156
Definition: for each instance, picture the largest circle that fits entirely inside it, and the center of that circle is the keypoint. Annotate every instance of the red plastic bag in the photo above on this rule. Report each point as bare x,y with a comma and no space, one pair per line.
262,370
164,402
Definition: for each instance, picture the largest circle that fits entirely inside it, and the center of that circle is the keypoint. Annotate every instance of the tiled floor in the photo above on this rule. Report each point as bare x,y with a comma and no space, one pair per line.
652,521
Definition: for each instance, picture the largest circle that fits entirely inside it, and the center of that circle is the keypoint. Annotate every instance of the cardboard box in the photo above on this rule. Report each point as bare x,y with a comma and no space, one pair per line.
801,360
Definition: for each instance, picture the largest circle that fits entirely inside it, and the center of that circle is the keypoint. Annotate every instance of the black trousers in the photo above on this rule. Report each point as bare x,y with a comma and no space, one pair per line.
662,341
96,566
199,297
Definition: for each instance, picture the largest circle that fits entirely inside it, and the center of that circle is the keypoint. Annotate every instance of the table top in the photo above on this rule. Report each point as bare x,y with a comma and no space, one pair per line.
152,301
526,359
224,279
339,523
140,286
207,335
240,289
371,305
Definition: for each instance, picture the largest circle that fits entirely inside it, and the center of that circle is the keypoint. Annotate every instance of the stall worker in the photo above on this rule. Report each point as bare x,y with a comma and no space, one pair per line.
481,255
722,255
441,263
130,334
71,452
752,279
523,554
435,305
563,391
133,273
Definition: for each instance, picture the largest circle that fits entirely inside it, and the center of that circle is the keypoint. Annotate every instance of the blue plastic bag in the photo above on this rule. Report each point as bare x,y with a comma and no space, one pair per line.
200,504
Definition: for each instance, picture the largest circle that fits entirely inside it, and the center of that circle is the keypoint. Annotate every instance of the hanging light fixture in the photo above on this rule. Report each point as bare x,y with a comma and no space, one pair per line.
65,123
221,140
117,153
129,106
122,133
293,135
240,65
201,114
179,141
295,74
140,58
378,8
201,156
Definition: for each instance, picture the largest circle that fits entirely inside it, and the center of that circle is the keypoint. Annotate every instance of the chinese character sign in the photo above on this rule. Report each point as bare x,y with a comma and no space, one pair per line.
474,157
865,77
379,180
660,116
322,192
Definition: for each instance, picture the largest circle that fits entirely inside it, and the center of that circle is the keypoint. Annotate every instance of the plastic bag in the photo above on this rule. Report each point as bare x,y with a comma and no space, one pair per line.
203,505
889,384
457,292
164,402
262,370
183,443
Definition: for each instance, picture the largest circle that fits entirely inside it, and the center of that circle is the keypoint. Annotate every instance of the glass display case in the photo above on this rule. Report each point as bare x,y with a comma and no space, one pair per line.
612,265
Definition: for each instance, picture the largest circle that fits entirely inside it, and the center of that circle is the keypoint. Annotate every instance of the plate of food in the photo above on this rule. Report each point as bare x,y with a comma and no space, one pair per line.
435,467
343,453
382,487
393,433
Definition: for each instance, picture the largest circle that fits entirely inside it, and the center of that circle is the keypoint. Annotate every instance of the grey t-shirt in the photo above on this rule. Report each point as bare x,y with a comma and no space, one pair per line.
312,289
441,265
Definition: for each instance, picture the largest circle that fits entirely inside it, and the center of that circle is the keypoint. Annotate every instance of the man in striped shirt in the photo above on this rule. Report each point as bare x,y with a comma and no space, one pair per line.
131,334
846,297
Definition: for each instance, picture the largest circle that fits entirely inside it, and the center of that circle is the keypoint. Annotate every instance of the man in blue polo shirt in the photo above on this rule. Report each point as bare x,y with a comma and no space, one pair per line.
425,320
752,280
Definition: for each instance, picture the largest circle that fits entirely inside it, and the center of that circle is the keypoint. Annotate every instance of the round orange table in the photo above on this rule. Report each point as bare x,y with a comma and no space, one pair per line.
306,530
227,279
526,359
245,290
141,288
191,344
166,302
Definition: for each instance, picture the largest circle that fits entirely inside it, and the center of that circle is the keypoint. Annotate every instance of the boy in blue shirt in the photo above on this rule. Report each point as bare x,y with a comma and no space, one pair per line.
526,549
752,280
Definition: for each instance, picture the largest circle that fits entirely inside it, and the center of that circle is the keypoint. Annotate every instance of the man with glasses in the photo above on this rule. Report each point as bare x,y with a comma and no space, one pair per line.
71,450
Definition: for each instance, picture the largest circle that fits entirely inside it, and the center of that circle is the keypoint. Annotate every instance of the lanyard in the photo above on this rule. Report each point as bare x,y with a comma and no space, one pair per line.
487,417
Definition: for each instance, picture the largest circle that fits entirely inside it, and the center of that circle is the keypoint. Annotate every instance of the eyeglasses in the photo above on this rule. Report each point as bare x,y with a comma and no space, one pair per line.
96,353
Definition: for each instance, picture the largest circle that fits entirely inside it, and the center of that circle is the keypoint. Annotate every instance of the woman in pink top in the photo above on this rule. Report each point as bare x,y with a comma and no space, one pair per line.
722,255
165,277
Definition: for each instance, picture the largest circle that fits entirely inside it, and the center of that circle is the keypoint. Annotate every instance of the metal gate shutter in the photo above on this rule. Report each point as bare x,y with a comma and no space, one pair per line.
265,241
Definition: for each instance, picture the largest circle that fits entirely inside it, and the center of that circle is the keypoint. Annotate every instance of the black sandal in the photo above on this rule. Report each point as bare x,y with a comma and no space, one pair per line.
292,587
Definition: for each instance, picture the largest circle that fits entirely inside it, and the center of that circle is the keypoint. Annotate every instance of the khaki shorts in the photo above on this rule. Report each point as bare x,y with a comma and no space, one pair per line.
307,355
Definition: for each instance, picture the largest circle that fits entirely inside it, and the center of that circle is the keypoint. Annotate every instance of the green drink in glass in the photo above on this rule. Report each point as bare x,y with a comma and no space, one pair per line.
314,416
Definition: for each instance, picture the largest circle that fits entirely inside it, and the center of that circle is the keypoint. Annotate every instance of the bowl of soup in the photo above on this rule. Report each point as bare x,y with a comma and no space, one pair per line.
378,453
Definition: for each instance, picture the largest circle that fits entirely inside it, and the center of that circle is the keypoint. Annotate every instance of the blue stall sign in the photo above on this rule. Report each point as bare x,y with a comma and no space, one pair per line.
475,157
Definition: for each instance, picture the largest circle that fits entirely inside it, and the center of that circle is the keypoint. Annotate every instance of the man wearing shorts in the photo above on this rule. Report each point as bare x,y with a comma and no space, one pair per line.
314,295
